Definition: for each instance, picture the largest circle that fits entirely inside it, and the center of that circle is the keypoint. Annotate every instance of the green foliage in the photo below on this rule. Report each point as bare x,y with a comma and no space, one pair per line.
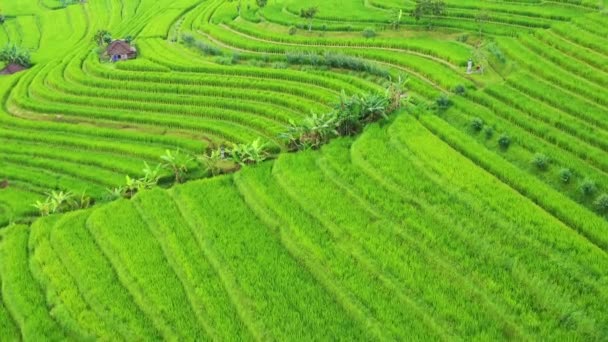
425,8
292,30
369,33
212,162
541,161
477,124
349,116
565,175
102,37
12,54
504,141
249,153
177,162
443,102
601,203
460,89
261,3
588,187
488,132
309,13
201,46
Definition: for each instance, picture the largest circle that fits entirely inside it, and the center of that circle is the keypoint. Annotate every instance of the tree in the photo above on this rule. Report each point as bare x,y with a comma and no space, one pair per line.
102,37
129,39
12,54
309,13
177,162
428,7
261,3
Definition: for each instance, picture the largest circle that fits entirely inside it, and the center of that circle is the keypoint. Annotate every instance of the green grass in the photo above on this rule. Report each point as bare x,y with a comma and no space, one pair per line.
420,228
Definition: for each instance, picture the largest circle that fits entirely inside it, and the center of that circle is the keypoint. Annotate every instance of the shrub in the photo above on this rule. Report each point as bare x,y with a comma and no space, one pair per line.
541,161
601,203
565,175
504,141
588,187
443,102
292,30
369,33
488,132
476,124
463,38
12,54
460,89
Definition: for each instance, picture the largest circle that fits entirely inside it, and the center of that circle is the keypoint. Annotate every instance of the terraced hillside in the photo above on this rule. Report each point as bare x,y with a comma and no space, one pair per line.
481,219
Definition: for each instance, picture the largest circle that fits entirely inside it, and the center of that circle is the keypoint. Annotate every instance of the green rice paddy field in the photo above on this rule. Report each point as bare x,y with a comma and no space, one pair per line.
426,226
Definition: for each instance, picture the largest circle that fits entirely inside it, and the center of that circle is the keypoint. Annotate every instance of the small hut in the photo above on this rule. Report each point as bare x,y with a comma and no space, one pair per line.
12,68
119,50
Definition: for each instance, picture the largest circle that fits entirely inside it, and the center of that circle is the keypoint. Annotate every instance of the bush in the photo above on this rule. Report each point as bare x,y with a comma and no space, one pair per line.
292,30
369,33
443,102
488,132
601,203
565,175
541,161
504,141
476,124
588,187
460,90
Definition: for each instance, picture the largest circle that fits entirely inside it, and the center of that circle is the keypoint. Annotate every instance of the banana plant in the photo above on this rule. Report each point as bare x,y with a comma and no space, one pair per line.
60,200
44,207
177,162
373,107
252,153
212,162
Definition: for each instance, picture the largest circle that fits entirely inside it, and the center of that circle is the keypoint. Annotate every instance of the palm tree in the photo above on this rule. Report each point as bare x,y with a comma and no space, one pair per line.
176,162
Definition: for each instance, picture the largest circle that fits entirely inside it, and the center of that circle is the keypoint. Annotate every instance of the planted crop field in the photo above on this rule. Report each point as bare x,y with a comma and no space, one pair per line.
304,170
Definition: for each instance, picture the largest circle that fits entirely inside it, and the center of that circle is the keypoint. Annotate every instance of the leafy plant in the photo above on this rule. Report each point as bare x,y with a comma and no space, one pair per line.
251,153
601,203
443,102
488,132
292,30
177,162
504,141
541,161
12,54
369,33
44,207
261,3
102,37
309,13
428,7
373,106
212,162
477,124
588,187
565,175
460,89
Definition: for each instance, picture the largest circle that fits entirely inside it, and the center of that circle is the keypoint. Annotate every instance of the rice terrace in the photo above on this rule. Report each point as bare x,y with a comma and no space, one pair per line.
303,170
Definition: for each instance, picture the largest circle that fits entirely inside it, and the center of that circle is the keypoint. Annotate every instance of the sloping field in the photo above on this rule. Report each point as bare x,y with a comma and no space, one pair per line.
485,219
